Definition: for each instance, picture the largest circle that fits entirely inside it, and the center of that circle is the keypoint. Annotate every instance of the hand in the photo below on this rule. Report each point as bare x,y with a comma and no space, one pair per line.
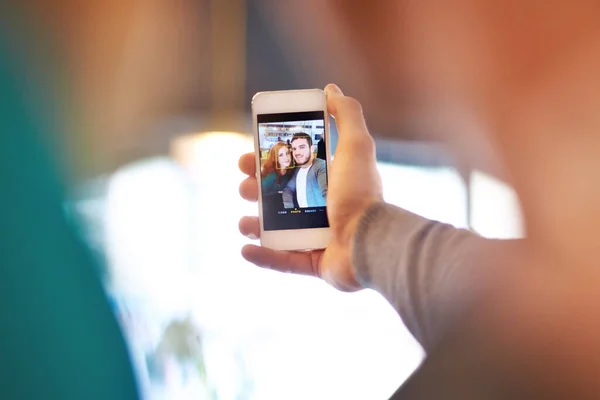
354,185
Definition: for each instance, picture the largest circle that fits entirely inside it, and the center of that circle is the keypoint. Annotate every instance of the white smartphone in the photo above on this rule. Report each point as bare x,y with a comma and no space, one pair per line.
291,130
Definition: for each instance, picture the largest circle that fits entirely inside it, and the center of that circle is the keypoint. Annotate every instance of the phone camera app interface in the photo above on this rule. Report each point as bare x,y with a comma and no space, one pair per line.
293,170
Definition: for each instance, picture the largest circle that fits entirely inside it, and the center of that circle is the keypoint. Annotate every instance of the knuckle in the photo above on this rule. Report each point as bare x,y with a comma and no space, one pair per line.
352,103
369,143
364,141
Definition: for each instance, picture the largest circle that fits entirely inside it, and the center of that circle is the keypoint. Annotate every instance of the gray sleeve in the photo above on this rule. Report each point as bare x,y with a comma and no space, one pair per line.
289,192
322,179
424,268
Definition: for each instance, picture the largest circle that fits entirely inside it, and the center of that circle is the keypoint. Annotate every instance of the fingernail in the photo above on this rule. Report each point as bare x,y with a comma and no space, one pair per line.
334,89
252,236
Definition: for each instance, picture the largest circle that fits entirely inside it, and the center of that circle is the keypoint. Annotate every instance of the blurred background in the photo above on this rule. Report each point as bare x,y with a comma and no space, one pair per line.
155,99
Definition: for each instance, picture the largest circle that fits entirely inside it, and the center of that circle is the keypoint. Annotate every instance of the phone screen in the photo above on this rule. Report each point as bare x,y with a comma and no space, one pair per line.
293,174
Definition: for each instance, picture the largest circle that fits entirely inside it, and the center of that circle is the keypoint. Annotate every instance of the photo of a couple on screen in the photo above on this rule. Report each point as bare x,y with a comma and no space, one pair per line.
294,170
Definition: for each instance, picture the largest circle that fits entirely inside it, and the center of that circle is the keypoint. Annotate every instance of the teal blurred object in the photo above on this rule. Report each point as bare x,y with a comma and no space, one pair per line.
59,338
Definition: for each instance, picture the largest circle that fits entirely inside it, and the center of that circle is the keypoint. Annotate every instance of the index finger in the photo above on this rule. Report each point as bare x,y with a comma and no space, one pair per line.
347,112
297,262
247,164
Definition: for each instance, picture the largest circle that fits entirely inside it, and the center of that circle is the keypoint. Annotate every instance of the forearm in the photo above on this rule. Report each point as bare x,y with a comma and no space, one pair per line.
425,269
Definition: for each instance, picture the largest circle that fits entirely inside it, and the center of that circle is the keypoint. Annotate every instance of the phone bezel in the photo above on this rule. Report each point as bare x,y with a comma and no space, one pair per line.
283,102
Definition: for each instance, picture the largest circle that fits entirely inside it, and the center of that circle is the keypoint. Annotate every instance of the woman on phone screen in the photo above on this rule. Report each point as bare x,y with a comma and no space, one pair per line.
276,172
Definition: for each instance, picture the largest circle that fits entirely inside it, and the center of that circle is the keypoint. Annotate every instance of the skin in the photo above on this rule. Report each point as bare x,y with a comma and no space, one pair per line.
302,153
284,160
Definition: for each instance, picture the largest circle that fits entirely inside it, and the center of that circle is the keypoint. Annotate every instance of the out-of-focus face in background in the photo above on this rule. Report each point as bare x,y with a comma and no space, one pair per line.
516,75
476,55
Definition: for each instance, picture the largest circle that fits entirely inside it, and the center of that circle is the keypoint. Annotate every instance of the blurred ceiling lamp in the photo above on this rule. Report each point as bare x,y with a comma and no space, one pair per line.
227,117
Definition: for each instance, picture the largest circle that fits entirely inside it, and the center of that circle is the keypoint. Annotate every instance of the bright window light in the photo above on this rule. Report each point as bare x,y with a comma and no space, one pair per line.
495,208
175,256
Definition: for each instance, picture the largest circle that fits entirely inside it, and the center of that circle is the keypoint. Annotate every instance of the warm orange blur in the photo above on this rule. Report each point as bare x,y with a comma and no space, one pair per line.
512,86
132,66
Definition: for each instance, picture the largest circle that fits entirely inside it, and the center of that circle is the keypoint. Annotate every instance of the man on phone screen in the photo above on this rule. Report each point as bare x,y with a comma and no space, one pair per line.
308,186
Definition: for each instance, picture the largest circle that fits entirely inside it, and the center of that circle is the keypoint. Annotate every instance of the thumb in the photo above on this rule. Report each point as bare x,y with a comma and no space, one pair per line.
347,112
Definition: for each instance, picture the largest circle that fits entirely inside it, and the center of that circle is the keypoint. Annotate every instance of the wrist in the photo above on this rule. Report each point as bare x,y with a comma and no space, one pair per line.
360,229
340,255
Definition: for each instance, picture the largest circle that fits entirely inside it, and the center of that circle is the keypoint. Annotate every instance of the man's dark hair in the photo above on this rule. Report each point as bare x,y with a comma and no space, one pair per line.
302,135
